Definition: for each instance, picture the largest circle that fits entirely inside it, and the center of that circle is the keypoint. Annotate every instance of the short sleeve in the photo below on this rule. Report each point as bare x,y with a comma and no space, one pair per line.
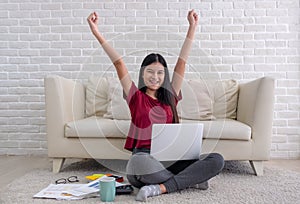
133,89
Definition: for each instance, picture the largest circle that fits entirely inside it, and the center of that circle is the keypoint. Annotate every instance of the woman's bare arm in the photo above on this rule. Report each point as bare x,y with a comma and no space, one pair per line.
179,70
116,59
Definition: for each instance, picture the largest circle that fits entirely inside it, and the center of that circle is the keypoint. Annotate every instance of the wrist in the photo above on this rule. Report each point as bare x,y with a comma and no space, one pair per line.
95,33
193,26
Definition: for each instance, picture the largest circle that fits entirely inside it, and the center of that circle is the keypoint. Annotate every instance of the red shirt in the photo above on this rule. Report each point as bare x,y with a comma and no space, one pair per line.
145,111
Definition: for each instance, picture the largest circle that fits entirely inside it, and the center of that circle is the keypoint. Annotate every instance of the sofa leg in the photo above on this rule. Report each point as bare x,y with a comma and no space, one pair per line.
57,164
257,167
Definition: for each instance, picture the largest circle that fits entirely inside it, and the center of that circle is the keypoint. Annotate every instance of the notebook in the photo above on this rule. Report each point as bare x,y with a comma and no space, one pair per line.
172,142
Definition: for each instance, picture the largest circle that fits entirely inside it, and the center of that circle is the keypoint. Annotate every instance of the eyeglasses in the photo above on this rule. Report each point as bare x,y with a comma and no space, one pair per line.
70,179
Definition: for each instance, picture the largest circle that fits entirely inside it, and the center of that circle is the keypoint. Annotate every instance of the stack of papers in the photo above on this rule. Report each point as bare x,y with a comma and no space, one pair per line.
71,191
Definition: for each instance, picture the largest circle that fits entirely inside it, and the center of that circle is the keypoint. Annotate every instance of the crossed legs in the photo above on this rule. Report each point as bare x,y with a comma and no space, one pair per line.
143,169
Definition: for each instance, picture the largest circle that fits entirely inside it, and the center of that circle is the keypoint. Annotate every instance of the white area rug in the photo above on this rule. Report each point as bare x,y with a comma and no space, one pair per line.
236,184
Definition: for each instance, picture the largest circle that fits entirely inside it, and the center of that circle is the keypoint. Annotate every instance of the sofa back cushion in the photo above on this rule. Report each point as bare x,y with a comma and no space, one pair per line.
104,98
208,99
96,96
225,98
117,107
201,99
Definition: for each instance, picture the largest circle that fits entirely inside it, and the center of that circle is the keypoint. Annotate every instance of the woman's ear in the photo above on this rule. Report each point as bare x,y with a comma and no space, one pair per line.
143,73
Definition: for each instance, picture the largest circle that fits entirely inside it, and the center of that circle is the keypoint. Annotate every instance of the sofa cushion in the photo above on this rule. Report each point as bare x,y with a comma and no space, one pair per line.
196,103
208,99
104,97
97,127
225,98
100,127
117,107
226,129
96,99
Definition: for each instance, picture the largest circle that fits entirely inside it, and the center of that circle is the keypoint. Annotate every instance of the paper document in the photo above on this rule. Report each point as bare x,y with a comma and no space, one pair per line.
71,191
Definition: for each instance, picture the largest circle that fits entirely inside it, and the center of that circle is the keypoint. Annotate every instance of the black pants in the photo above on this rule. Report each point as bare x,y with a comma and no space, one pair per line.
143,169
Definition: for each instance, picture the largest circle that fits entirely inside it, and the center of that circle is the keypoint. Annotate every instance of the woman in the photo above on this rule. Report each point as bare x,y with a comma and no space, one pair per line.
154,101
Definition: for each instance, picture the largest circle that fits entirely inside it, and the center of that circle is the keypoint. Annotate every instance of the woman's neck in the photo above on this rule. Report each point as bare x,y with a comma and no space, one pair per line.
151,93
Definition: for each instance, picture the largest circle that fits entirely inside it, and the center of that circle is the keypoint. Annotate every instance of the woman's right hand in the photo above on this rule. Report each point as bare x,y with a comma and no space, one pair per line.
93,22
193,18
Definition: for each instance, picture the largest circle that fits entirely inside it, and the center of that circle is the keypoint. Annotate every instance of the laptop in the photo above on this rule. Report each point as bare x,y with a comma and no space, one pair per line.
180,141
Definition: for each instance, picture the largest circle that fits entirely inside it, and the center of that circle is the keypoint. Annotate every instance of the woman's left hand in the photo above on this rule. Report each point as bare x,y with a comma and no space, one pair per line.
193,18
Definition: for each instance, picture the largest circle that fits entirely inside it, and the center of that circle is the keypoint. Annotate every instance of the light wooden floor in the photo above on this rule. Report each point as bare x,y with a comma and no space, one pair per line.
13,167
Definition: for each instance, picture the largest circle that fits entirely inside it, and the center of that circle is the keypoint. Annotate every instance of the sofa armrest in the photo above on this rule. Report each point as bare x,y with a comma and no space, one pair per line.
255,108
65,102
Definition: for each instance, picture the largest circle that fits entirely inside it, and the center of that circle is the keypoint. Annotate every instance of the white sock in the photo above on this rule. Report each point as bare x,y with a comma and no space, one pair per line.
148,191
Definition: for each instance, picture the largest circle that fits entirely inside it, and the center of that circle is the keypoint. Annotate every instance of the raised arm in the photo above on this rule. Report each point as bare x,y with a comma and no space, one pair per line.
111,52
185,50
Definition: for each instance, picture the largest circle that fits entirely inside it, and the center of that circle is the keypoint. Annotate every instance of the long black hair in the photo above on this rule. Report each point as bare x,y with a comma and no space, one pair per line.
165,93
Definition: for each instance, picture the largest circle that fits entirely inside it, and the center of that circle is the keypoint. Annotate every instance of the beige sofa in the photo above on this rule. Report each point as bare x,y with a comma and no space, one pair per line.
91,120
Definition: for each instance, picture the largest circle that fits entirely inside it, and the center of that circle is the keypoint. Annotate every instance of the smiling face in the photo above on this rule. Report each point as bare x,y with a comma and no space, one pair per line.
154,75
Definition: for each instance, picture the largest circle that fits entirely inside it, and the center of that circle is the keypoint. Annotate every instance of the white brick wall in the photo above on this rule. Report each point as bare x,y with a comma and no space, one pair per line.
236,39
